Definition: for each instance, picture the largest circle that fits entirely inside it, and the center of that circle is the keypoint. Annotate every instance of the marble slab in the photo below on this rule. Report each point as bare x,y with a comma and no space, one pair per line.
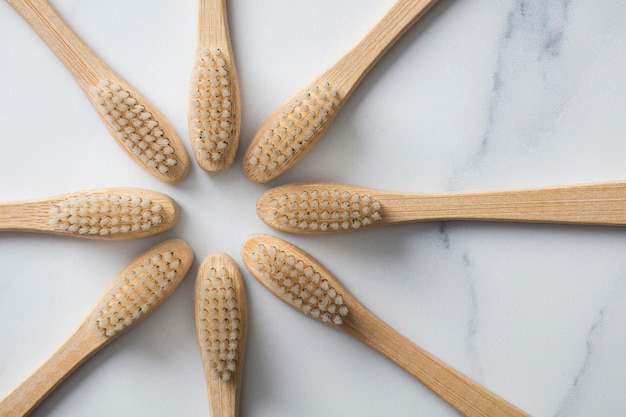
478,95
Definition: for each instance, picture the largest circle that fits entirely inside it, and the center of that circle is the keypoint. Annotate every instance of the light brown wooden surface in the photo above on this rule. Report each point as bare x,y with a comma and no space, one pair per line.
595,203
213,34
343,76
468,397
37,215
89,70
89,337
223,394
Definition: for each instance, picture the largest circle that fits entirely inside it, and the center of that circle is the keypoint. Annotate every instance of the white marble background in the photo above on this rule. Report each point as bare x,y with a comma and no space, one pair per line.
477,95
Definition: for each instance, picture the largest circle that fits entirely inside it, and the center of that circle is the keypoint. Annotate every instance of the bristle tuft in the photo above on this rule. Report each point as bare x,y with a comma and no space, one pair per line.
299,284
136,129
104,215
213,125
324,210
299,123
136,293
219,322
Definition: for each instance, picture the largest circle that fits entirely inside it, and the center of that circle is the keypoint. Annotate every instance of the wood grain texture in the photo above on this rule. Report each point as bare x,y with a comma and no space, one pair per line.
90,71
601,203
287,135
468,397
128,291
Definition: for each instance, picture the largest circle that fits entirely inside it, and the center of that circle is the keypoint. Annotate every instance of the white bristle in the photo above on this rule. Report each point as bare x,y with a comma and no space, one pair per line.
299,284
110,210
133,124
218,316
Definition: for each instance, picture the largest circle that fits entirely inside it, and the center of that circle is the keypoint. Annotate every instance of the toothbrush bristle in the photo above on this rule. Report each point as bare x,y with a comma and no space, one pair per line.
134,126
212,119
138,292
298,283
299,123
324,210
106,214
219,321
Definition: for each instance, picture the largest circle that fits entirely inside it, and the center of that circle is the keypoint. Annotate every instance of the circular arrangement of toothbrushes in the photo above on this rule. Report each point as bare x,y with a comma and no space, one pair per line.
218,305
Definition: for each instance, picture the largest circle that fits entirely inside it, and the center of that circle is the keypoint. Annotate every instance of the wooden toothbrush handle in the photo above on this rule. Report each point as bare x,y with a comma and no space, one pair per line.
599,203
62,40
212,24
348,71
26,396
25,216
468,397
12,217
224,397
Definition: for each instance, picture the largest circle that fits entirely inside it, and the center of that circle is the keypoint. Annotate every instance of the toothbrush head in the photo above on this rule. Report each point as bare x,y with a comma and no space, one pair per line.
290,132
213,115
142,286
113,213
221,317
294,277
302,208
138,131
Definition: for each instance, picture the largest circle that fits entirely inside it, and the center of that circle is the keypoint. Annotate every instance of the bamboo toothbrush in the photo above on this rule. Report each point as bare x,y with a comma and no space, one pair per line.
330,207
221,327
300,281
292,129
106,213
140,288
214,113
137,126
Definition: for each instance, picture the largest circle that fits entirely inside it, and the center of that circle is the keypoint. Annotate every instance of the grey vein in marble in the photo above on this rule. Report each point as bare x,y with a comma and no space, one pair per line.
473,322
568,403
528,71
